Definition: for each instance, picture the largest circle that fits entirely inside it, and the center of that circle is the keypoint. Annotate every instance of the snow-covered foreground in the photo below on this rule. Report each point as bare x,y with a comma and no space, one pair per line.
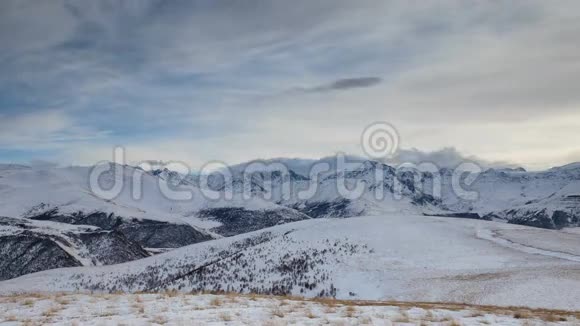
173,308
391,257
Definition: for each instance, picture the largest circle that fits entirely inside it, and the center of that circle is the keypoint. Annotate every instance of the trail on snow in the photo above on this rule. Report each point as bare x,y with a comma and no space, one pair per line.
493,236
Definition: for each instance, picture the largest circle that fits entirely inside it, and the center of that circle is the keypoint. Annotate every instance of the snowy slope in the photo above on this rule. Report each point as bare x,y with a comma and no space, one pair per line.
414,258
210,309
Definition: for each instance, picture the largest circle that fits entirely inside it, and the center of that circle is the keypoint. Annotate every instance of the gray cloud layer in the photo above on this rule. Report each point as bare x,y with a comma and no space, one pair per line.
345,84
445,158
165,78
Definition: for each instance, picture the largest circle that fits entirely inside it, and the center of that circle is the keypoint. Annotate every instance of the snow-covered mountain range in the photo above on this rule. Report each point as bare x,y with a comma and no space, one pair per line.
54,212
546,199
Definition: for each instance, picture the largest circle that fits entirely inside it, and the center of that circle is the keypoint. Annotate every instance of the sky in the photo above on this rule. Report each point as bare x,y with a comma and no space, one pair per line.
196,81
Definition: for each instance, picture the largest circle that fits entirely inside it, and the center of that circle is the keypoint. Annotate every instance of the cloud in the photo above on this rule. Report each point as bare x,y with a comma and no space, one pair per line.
42,164
345,84
444,158
199,80
43,129
573,156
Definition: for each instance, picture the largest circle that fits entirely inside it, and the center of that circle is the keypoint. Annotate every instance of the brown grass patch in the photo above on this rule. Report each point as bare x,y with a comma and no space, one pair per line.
161,320
172,293
555,318
522,315
52,311
308,313
330,302
329,310
10,318
63,301
139,307
349,311
365,320
402,318
29,322
216,302
224,316
277,312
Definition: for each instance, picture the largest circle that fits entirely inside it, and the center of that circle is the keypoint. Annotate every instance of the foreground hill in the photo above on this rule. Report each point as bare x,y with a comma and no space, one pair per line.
206,309
411,258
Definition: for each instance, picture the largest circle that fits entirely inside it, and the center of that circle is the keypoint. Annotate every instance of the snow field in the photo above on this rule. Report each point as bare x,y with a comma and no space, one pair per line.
173,308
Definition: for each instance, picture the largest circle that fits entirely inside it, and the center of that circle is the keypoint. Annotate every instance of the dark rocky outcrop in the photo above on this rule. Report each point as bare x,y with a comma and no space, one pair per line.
157,234
98,219
111,247
543,218
337,208
148,233
26,253
237,220
26,247
468,215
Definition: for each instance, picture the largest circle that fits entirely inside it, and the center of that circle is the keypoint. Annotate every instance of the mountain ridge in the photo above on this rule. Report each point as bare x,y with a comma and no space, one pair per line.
62,197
